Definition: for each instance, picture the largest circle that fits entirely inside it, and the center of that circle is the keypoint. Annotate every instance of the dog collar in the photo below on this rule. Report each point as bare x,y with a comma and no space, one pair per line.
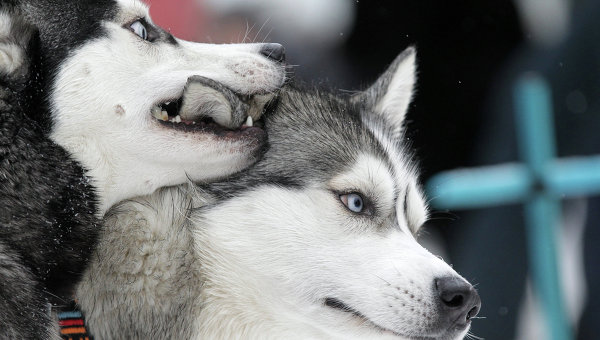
72,323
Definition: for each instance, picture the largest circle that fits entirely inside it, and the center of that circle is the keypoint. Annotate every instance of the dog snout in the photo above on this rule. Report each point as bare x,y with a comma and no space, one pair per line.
458,301
275,52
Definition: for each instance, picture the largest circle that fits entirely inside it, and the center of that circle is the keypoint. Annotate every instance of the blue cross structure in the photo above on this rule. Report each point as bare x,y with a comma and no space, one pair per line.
539,182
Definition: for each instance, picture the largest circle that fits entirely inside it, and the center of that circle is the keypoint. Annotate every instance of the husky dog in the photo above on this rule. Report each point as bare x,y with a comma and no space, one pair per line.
314,241
97,105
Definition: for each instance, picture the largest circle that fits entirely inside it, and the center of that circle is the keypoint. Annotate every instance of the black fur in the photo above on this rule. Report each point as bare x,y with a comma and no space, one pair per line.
47,223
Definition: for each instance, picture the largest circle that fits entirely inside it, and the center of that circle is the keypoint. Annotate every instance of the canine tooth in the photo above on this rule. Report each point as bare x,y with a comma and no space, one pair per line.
156,112
177,119
164,115
249,121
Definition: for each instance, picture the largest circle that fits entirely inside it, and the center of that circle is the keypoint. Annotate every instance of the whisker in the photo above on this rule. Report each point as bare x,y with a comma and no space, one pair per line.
261,27
56,296
441,219
382,279
249,31
267,36
444,214
473,336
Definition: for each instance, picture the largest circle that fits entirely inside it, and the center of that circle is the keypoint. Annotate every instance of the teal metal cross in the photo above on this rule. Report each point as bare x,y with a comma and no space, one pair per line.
539,182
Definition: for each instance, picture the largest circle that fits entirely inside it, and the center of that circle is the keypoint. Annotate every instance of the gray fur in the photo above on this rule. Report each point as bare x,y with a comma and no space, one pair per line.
40,188
204,97
50,202
144,280
141,283
399,77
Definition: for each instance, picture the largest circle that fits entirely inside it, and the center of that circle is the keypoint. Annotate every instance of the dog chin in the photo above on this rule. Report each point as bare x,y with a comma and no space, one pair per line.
361,320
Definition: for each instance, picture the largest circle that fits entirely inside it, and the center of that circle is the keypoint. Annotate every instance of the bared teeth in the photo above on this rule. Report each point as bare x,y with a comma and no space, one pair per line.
159,114
249,121
176,119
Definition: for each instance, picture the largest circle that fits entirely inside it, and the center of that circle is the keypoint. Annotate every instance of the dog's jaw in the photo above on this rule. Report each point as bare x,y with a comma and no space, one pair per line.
121,178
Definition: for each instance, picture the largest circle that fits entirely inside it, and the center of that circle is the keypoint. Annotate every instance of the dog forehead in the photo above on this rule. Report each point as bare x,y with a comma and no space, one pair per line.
313,137
316,130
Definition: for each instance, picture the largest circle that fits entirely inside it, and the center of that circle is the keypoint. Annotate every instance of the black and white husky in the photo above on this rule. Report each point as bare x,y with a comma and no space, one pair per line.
97,105
314,241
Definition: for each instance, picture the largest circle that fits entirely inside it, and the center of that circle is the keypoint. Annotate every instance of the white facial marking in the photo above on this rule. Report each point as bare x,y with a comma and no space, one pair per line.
371,177
305,246
134,155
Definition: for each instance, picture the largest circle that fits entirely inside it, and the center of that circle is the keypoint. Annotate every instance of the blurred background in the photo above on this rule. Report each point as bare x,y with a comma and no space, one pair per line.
469,55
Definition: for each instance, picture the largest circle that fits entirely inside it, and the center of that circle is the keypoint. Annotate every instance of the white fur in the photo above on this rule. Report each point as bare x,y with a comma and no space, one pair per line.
270,258
262,264
103,95
259,266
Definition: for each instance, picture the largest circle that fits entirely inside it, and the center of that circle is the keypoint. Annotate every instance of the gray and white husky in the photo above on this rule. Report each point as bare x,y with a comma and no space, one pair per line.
315,241
97,105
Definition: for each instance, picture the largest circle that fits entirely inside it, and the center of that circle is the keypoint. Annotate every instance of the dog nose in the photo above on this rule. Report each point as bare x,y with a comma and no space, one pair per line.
458,300
273,51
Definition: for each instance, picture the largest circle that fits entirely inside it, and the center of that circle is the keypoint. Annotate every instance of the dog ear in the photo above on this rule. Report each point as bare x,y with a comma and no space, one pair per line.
391,94
204,97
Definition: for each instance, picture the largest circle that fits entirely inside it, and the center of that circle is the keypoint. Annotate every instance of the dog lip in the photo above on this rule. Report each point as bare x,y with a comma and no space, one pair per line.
338,304
192,123
255,131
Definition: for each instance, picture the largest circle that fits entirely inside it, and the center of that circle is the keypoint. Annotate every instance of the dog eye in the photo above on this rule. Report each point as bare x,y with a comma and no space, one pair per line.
138,28
353,201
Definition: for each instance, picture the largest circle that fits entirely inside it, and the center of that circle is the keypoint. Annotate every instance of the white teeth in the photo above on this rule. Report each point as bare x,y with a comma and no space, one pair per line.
177,119
156,112
249,121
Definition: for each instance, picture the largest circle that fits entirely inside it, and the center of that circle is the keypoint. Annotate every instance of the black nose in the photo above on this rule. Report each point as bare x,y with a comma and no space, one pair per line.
273,51
458,300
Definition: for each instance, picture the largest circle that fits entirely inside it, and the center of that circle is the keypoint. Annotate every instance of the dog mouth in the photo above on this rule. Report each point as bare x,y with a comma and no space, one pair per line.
167,113
338,304
206,106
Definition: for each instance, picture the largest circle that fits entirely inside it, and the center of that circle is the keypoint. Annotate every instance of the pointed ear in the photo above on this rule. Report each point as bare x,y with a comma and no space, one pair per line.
391,94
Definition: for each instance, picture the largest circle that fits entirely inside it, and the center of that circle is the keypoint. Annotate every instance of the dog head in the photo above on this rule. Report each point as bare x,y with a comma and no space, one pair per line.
121,95
323,228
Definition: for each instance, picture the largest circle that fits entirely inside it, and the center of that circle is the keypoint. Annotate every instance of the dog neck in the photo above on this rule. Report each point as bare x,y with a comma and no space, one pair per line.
116,178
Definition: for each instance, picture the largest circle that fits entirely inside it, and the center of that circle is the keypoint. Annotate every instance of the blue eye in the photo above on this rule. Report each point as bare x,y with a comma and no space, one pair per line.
138,28
353,201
